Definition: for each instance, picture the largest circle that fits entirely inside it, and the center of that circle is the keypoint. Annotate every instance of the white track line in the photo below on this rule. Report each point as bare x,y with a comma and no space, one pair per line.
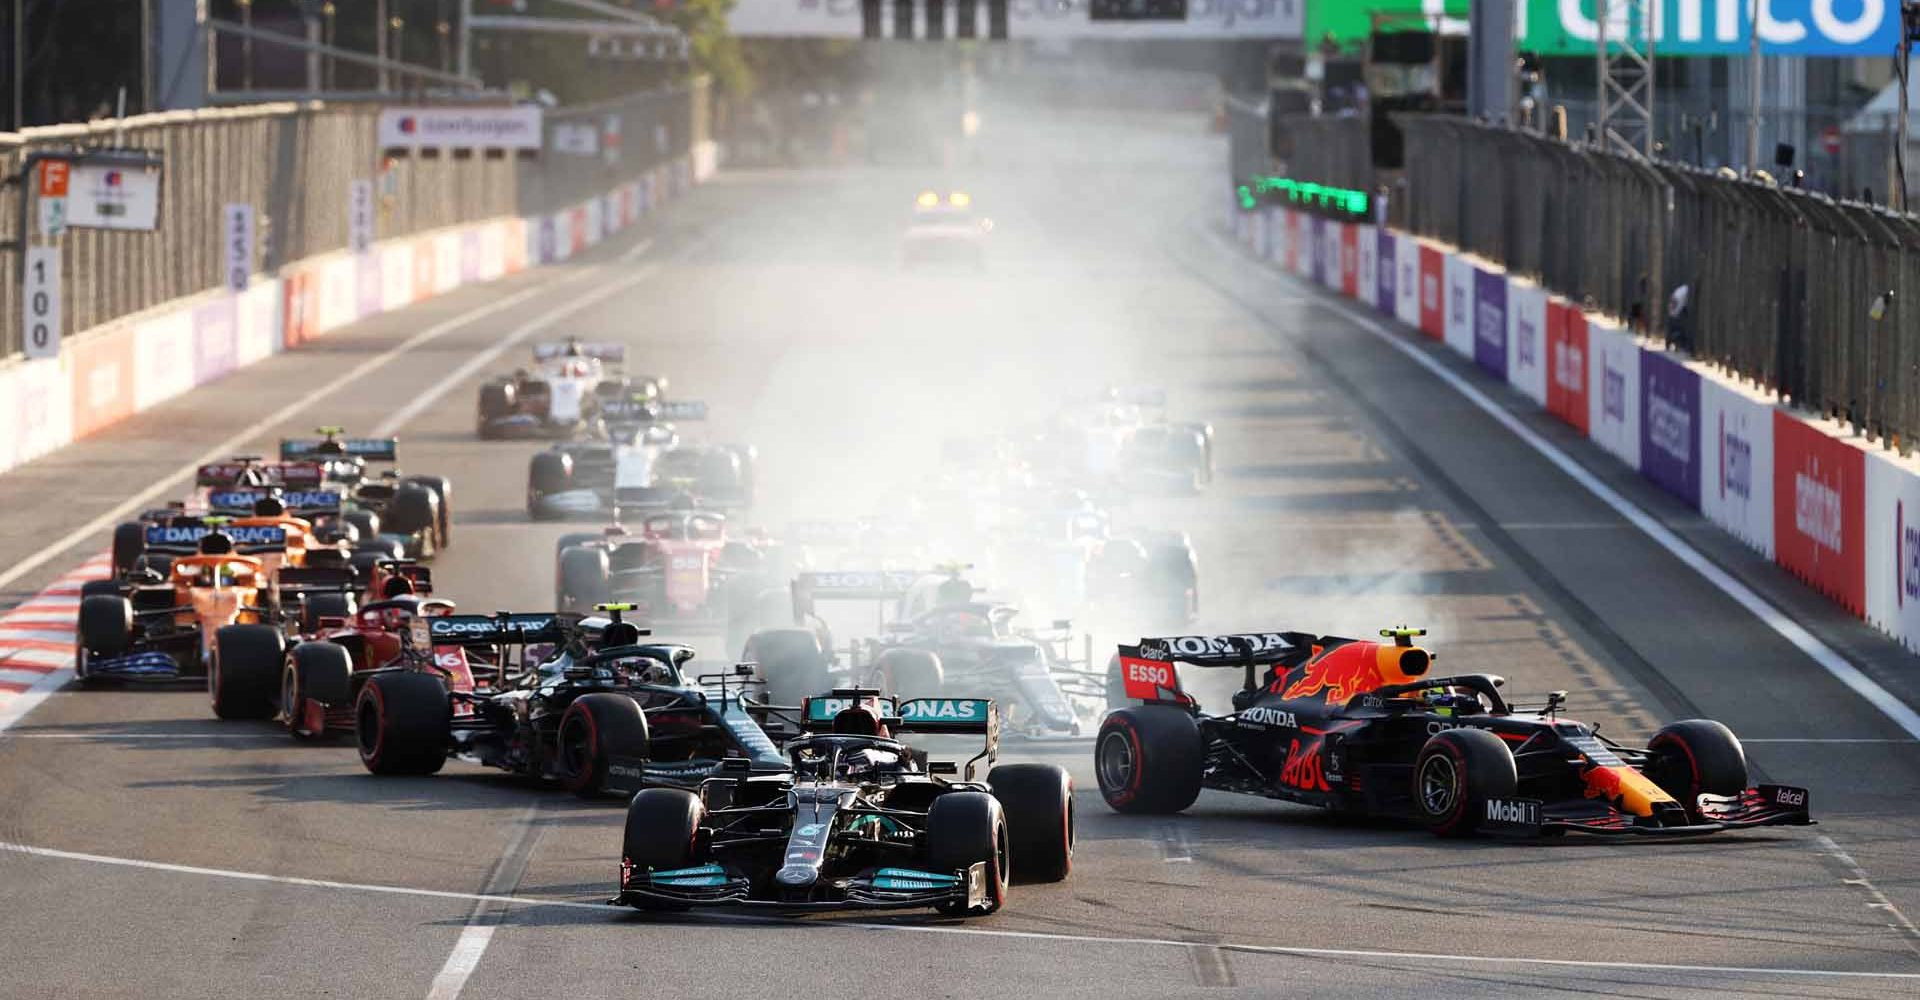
227,447
486,914
1899,712
1090,940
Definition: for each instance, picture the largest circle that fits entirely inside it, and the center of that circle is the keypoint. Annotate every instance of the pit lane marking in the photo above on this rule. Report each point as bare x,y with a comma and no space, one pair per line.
232,444
1836,666
49,853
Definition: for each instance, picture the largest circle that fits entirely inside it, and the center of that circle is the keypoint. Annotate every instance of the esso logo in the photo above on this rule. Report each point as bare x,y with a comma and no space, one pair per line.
1149,672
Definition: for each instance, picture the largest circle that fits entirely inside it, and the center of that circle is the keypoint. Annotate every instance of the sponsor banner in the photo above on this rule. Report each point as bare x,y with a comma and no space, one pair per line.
102,389
460,128
1298,255
706,160
1613,391
493,250
446,262
425,263
339,299
1670,425
1406,279
215,339
469,255
258,317
1893,546
1527,338
515,245
1716,27
1331,243
1384,275
1349,247
368,285
596,220
301,306
1316,249
163,356
1567,363
1027,19
396,274
1433,292
546,240
1819,510
1736,459
1458,296
579,237
1490,320
42,396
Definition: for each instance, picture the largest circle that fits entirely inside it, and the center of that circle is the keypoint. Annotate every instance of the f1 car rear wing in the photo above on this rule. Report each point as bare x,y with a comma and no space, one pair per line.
854,585
247,539
960,716
370,449
604,351
508,627
226,475
314,579
299,503
1147,673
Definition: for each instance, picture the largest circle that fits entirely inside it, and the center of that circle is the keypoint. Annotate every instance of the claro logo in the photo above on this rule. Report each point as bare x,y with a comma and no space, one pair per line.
1429,291
1570,369
1816,510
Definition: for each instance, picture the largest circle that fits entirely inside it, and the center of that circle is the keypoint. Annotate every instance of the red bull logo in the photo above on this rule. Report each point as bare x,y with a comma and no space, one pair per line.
1623,788
1343,672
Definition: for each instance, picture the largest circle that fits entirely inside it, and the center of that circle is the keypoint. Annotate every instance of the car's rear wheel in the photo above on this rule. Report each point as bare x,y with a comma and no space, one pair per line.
1038,802
401,723
662,831
1457,771
129,543
1694,757
965,829
442,491
314,607
244,676
320,672
1148,759
594,729
414,512
549,472
583,579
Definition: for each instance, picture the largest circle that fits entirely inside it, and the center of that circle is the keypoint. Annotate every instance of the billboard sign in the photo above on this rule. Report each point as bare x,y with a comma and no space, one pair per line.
1052,19
1717,27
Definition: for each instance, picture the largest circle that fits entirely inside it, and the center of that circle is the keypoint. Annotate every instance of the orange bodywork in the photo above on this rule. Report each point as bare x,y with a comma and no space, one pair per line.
1623,788
217,590
1354,668
299,539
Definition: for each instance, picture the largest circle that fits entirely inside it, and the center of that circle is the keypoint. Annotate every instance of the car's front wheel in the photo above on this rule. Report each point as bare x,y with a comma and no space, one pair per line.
1457,771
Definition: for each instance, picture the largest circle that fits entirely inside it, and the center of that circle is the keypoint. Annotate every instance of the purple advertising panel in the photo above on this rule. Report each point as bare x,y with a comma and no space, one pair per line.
1490,321
1670,426
215,347
549,242
1319,257
1384,295
370,283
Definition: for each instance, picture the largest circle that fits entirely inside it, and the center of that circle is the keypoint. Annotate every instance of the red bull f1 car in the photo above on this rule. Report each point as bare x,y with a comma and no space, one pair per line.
1361,728
857,820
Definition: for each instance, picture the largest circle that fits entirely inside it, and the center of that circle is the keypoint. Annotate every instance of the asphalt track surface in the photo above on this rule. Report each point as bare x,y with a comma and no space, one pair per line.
147,850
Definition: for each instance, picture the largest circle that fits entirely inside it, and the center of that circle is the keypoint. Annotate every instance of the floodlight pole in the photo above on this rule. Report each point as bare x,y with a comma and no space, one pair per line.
1753,87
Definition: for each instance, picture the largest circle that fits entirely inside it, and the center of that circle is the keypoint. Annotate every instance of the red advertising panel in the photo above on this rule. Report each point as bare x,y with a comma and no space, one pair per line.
1819,511
1349,260
1433,315
426,265
1292,242
579,228
102,380
302,310
1567,363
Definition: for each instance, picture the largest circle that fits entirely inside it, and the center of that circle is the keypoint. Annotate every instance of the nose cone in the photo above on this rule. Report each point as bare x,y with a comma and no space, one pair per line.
796,876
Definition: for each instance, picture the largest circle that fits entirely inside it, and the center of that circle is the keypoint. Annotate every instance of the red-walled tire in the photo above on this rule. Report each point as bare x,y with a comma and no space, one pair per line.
1038,802
1457,771
401,722
594,729
1148,759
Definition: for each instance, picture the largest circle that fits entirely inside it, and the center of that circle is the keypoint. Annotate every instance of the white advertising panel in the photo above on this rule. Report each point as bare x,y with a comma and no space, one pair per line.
1458,303
1613,391
1736,454
1527,338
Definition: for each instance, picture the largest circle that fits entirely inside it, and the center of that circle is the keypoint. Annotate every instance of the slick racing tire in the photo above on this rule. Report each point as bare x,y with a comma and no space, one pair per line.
572,539
129,543
1457,771
111,588
364,521
549,472
1148,760
1697,756
965,829
106,624
496,401
582,580
662,825
243,679
1038,802
442,491
401,722
323,671
595,728
910,673
414,511
791,662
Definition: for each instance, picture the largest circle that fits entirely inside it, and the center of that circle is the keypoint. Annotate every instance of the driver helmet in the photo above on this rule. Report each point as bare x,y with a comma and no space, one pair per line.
396,586
641,670
1450,702
858,720
954,591
572,350
216,543
620,634
269,506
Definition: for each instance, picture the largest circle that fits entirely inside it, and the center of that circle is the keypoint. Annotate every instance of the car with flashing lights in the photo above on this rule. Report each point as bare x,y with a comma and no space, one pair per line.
857,819
563,394
683,567
1363,728
581,701
945,228
642,461
938,637
392,515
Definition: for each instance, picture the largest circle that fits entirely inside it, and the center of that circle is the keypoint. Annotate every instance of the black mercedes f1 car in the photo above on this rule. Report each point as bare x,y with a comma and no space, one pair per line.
1359,727
858,820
